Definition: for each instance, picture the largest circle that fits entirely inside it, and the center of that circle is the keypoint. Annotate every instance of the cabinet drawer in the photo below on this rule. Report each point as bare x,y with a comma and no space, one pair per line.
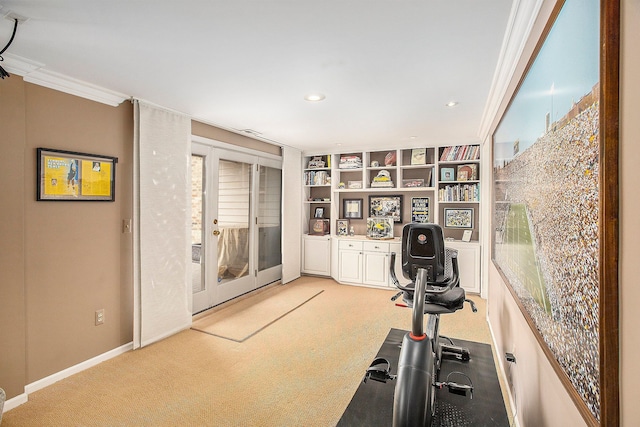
376,247
352,245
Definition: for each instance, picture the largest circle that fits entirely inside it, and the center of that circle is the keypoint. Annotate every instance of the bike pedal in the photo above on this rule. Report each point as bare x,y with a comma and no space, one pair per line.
465,355
379,370
459,389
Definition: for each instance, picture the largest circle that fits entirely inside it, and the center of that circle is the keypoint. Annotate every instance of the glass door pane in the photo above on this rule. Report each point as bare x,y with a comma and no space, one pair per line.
200,298
234,210
269,221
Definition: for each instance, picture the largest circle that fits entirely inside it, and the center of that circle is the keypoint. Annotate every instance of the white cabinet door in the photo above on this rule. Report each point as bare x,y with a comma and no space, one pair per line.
376,268
350,266
468,264
316,255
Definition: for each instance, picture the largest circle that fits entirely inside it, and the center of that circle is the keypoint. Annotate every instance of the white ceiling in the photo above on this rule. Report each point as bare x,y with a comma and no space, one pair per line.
387,68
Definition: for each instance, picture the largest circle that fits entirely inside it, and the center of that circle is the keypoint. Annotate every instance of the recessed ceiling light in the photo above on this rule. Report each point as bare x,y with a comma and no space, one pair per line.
314,97
451,104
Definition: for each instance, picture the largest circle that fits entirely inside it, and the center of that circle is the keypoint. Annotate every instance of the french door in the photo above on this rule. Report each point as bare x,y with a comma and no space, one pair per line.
236,224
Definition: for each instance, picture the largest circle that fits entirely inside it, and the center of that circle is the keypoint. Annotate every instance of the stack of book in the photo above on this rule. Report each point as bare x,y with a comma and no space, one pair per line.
350,162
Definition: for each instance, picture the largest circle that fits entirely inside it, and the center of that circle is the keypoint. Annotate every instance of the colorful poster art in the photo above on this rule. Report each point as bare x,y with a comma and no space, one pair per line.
65,175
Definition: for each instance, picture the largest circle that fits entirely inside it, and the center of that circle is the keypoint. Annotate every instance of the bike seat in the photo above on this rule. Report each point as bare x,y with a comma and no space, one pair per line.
448,302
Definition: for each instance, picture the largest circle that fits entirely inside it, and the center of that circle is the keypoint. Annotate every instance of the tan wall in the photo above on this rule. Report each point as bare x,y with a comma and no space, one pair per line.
12,292
211,132
64,260
540,398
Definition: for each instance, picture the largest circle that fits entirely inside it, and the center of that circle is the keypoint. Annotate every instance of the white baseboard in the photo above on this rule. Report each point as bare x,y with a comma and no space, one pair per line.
515,422
47,381
16,401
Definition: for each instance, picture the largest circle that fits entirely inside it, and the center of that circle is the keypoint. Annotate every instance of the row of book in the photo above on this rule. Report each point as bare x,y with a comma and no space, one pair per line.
460,152
460,193
317,178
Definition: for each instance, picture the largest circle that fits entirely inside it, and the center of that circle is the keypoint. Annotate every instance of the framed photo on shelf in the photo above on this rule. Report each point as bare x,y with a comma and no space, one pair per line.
447,174
386,206
342,227
468,172
458,217
352,208
319,213
419,156
72,176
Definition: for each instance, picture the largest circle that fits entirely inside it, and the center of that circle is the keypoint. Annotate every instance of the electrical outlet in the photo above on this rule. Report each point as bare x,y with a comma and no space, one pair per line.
99,316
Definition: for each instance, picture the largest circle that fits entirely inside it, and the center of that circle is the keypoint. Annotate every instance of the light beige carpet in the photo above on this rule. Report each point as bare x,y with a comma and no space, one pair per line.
300,371
242,320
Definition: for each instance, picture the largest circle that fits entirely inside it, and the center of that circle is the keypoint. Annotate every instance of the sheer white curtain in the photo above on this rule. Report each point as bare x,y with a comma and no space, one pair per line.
162,219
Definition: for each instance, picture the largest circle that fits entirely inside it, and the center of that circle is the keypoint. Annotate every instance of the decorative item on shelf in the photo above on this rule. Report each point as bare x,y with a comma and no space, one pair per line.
316,163
352,208
350,162
342,227
341,185
419,156
382,180
390,159
375,164
468,172
352,231
354,185
380,228
319,213
318,227
466,236
420,209
384,206
447,174
412,183
458,217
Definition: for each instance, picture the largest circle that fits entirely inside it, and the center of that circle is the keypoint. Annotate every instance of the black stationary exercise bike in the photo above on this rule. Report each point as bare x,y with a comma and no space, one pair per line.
435,290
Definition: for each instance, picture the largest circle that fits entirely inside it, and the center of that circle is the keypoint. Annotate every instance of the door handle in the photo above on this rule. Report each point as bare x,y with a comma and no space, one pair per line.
216,232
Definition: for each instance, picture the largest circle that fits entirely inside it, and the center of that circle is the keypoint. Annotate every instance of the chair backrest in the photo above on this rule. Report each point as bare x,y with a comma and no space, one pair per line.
423,247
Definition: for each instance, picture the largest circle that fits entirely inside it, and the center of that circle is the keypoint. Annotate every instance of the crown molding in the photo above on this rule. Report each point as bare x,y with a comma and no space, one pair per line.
521,22
34,72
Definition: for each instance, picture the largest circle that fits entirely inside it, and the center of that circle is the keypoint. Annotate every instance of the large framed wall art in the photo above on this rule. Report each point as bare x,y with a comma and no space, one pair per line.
555,201
72,176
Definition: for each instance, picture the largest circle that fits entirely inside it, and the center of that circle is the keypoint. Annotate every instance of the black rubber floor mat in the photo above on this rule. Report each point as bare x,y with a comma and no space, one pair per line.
372,404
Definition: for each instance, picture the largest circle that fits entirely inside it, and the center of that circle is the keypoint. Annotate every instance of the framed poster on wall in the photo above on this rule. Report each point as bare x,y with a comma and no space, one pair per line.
72,176
555,201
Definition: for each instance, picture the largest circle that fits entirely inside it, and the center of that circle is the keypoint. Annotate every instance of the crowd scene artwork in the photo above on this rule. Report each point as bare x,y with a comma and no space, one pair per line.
546,240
